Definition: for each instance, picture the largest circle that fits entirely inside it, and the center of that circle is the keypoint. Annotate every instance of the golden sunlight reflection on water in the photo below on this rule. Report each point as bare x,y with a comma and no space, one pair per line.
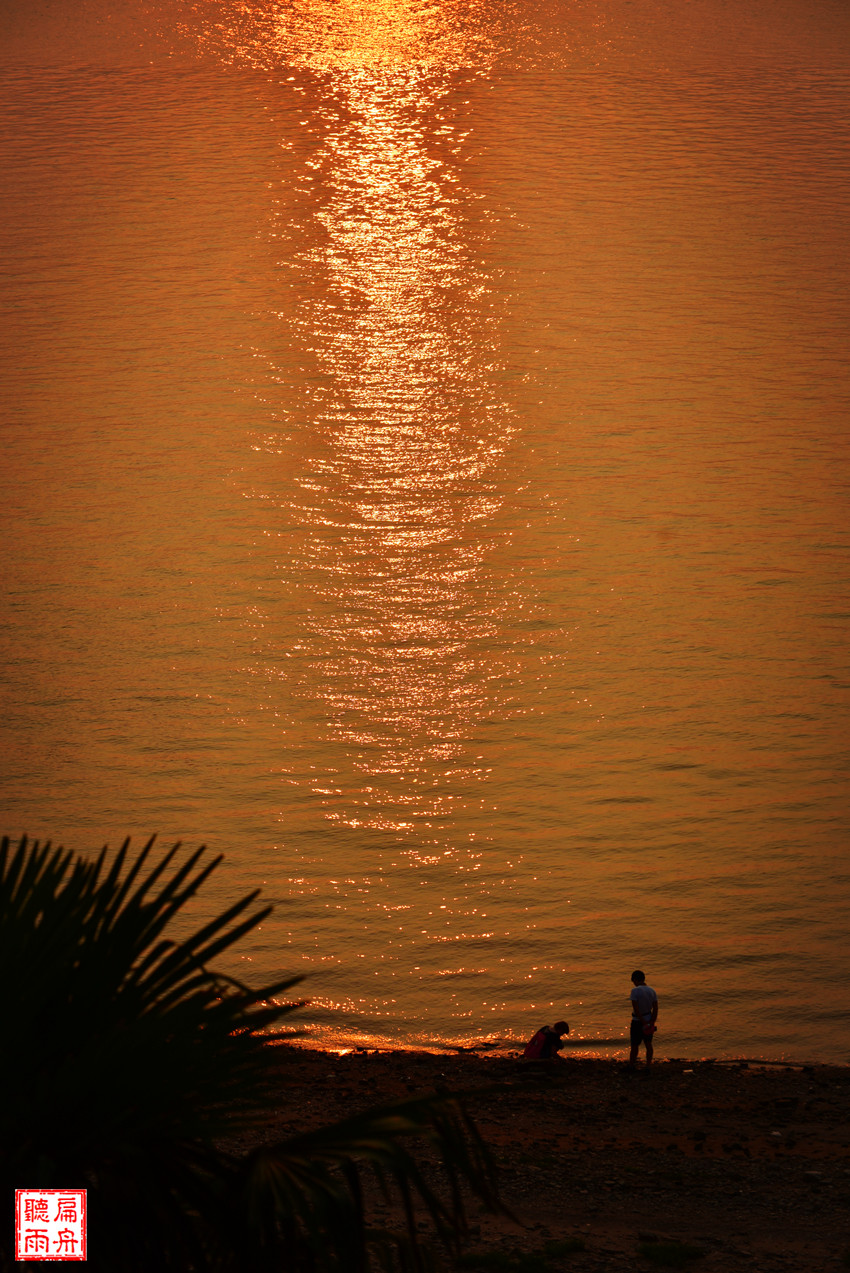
393,519
397,499
393,516
359,36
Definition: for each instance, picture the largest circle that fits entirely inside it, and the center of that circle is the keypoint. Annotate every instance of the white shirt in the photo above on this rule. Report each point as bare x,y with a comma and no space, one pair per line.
643,999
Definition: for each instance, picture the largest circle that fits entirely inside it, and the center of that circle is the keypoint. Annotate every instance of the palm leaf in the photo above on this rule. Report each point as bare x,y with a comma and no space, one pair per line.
129,1060
315,1181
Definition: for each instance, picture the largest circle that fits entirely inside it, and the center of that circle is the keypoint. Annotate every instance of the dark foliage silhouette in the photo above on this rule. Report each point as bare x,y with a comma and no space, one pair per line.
128,1061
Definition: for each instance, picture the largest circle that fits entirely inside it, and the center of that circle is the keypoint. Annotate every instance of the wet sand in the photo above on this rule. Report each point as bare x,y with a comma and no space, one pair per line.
747,1163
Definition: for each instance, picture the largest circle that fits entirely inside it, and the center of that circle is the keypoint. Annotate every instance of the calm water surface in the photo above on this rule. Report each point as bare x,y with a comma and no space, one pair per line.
426,482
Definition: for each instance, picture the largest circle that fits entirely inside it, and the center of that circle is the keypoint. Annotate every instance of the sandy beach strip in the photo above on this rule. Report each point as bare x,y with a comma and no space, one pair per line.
746,1163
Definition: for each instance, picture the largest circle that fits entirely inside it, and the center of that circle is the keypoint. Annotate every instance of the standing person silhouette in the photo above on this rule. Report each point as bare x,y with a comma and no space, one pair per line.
644,1013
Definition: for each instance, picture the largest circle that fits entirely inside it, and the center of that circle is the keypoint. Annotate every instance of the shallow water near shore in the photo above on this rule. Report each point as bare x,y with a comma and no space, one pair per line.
426,483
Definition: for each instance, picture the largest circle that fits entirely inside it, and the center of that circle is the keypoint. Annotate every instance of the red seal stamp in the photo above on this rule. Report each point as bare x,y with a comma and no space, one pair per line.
50,1224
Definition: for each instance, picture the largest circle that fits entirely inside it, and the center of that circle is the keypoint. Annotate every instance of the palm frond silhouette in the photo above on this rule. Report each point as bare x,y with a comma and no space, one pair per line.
129,1061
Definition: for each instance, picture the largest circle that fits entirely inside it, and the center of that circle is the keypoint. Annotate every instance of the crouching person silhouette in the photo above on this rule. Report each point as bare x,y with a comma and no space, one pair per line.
546,1043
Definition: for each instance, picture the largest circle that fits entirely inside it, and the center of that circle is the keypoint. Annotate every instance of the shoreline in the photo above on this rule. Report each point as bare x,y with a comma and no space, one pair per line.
746,1161
578,1051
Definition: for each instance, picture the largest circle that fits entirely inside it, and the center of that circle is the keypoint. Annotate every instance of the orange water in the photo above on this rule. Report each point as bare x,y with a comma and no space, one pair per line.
425,482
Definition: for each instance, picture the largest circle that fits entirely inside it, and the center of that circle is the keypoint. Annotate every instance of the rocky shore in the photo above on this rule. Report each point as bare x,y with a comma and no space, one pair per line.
710,1166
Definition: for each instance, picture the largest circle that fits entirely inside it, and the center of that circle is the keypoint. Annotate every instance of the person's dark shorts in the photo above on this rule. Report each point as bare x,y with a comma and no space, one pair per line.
637,1035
